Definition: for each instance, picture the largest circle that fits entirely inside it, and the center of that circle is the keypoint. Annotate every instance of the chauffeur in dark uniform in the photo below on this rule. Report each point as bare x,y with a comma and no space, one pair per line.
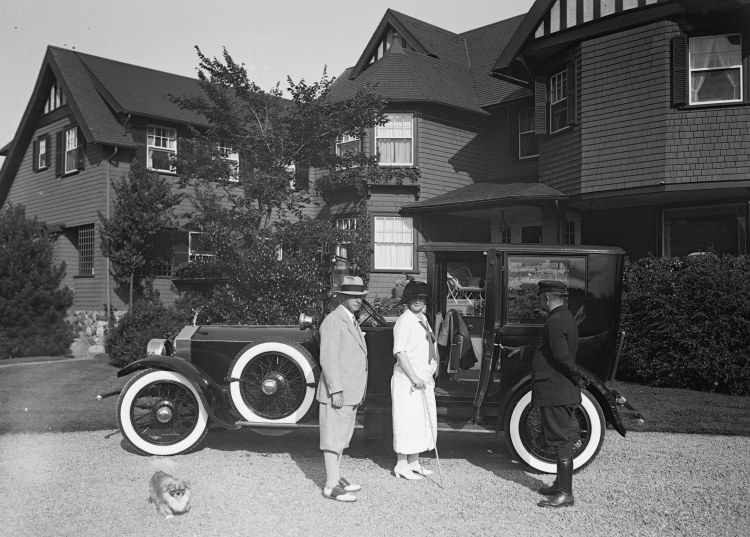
556,387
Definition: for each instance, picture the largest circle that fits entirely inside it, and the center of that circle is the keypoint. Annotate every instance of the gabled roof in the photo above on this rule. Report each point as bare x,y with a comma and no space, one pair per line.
100,93
479,195
444,67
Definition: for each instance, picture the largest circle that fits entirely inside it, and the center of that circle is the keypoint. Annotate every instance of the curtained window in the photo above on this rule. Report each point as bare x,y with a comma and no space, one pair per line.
394,141
715,69
394,243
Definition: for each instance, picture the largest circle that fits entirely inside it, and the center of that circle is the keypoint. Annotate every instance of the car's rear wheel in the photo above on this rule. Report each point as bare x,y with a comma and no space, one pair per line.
161,413
275,381
525,436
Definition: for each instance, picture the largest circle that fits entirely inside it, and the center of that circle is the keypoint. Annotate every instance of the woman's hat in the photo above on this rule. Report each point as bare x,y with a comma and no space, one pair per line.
414,289
352,285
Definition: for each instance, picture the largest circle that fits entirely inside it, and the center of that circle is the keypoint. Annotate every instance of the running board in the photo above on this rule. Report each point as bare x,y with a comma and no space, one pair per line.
446,426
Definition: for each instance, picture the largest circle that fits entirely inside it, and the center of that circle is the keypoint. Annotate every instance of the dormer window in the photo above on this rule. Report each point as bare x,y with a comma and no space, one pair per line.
385,44
55,99
161,146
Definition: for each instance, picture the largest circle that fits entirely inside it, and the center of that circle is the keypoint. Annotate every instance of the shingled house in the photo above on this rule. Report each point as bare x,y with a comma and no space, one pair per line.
86,120
615,122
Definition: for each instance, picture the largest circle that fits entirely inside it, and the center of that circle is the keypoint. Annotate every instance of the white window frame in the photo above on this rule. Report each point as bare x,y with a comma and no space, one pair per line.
692,70
378,238
557,89
229,154
41,157
163,139
70,153
195,255
85,244
384,132
526,126
345,141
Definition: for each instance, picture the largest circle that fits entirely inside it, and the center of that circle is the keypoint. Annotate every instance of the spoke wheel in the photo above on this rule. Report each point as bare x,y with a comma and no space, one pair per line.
161,413
276,381
525,435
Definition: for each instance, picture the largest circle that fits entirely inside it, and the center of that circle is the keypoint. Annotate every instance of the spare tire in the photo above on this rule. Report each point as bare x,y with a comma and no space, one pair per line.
274,381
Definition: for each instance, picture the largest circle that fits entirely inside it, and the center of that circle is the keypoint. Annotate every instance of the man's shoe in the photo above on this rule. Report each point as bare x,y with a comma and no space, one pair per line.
349,487
551,490
339,494
558,500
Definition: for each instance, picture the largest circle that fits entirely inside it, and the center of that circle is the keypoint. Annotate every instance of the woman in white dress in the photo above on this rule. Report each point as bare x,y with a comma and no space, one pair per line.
412,384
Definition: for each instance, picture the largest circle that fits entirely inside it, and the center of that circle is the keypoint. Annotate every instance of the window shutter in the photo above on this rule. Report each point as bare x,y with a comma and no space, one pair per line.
35,155
81,150
679,71
570,93
540,105
59,154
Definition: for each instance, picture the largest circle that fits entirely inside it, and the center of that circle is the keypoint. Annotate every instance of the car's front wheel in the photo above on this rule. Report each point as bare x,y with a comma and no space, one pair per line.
161,413
525,436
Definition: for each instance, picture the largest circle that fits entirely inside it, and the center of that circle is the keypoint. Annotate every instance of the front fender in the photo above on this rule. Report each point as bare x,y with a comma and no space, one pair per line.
210,392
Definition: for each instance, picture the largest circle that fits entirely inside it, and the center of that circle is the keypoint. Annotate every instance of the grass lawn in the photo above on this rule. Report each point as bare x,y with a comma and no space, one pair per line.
60,396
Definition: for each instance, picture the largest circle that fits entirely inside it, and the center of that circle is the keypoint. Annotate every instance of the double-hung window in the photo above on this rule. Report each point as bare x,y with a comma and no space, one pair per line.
161,146
716,69
199,248
229,154
528,143
347,144
85,244
394,243
41,153
558,102
71,149
394,141
343,249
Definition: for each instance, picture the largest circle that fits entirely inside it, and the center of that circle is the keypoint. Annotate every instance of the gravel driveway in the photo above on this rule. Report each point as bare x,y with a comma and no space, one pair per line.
86,483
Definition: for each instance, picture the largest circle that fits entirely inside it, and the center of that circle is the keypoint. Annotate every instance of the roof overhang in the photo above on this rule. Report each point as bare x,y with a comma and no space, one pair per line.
480,196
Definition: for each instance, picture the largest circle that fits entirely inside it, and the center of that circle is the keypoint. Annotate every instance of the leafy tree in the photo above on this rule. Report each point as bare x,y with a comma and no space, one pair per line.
32,304
135,237
250,210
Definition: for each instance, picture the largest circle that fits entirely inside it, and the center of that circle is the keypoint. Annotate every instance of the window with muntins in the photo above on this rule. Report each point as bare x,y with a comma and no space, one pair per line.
720,229
345,224
161,146
528,143
558,102
86,250
229,154
715,69
42,157
394,141
347,144
71,149
393,243
199,248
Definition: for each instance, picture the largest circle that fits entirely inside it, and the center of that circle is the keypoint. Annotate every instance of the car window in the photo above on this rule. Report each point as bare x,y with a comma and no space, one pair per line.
524,274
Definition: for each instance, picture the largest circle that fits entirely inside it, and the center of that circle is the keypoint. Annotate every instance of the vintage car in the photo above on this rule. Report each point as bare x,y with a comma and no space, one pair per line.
264,377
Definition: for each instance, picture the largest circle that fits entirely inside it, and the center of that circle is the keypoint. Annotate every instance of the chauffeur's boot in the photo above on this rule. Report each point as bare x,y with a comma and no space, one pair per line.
565,478
551,490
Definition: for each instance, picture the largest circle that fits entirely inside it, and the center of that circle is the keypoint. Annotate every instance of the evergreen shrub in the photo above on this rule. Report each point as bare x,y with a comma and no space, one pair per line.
688,323
32,303
147,319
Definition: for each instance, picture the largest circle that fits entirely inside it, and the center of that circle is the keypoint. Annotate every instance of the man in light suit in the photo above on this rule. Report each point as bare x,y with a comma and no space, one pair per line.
343,381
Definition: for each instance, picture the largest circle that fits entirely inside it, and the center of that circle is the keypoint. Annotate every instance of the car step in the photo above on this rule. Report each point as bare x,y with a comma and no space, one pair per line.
443,426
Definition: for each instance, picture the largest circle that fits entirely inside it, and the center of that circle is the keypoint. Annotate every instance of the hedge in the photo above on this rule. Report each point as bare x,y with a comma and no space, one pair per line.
688,323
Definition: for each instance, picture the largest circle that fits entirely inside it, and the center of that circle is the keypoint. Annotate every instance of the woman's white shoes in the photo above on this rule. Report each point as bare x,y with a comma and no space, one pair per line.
417,468
405,471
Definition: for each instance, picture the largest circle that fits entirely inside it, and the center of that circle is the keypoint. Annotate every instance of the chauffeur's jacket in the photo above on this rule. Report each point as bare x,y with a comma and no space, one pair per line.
343,359
553,367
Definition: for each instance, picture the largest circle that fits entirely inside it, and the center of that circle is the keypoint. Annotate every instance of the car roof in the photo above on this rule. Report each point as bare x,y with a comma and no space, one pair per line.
519,248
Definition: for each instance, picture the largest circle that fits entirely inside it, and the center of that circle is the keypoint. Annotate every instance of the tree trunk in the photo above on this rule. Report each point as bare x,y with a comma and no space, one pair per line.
131,290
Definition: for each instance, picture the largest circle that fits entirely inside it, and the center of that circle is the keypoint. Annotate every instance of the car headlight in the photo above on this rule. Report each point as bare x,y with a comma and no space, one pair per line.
157,347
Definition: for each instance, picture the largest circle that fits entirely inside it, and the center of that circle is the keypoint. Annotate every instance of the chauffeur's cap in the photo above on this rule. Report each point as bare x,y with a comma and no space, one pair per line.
552,286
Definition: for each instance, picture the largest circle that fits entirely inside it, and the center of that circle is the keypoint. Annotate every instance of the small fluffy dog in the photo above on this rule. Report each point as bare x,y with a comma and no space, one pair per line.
170,494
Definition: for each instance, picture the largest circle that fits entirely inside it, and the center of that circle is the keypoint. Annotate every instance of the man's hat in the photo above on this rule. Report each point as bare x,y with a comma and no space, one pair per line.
352,285
414,289
552,286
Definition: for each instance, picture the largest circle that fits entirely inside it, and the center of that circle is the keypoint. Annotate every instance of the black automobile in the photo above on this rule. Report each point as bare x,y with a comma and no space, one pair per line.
484,307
